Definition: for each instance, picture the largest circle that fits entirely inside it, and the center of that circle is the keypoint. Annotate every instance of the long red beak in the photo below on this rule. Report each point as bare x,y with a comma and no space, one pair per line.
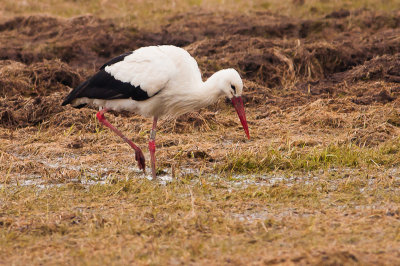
238,104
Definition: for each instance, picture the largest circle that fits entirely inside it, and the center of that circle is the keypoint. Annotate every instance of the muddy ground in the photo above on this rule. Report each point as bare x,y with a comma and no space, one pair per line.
315,83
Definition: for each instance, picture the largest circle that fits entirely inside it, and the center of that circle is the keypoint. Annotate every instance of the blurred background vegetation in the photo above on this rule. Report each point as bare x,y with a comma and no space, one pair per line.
149,14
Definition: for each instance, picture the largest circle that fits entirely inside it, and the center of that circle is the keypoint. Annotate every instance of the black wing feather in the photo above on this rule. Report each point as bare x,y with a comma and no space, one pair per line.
116,60
104,86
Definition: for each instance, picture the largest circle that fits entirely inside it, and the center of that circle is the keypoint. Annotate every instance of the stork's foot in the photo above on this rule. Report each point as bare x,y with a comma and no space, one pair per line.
140,159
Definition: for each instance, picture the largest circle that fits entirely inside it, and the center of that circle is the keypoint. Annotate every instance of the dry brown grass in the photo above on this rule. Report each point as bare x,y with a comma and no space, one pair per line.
297,195
318,183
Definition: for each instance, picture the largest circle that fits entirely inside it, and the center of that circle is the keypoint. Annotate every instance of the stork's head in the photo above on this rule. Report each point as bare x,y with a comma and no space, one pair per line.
231,85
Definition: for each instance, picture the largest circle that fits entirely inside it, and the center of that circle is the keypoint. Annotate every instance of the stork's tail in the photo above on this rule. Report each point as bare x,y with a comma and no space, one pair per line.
75,93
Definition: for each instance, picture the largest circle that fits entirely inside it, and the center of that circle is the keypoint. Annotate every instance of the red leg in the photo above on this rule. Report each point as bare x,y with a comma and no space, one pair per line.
152,148
138,152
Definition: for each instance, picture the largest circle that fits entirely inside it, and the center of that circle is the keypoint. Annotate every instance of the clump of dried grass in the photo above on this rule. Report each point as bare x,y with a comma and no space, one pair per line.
385,67
318,114
285,62
342,121
374,126
18,111
13,79
37,79
202,121
373,135
78,118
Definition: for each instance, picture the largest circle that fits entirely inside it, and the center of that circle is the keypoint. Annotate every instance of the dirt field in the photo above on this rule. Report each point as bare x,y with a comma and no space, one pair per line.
318,183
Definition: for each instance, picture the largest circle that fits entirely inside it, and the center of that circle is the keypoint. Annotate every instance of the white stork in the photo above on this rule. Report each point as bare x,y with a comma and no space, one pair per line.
155,81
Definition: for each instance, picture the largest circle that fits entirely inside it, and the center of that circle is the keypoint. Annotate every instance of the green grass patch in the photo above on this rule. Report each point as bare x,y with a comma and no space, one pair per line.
268,159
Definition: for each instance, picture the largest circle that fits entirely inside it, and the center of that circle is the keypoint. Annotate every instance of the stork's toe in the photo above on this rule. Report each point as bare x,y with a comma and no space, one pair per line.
140,159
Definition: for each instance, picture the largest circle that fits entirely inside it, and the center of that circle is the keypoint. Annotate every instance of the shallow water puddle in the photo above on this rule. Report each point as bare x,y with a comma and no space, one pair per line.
99,174
90,175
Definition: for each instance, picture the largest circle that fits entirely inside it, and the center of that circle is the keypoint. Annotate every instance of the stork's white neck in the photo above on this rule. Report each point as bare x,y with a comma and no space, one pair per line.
210,90
198,95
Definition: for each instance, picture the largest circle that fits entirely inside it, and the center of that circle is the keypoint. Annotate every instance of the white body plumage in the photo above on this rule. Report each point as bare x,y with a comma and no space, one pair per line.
171,78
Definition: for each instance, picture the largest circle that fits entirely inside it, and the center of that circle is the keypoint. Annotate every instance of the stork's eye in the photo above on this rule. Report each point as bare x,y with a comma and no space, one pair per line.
233,88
